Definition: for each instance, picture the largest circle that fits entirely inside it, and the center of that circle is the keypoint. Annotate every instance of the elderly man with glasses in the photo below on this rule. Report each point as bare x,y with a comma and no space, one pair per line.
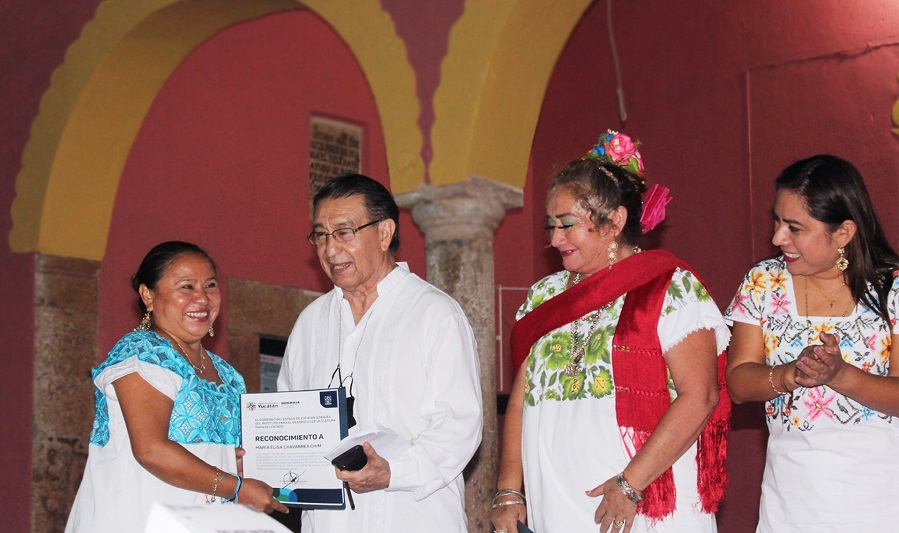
407,356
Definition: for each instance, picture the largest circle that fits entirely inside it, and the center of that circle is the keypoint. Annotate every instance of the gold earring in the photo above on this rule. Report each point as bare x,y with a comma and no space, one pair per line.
613,253
144,323
211,331
842,262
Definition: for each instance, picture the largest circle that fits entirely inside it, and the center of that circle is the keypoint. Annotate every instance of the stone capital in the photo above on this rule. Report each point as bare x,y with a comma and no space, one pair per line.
468,210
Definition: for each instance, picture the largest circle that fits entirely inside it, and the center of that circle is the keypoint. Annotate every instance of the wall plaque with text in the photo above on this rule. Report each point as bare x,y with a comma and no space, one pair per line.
335,147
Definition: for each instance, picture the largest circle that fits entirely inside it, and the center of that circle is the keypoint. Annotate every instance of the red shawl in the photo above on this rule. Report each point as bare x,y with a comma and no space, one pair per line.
641,375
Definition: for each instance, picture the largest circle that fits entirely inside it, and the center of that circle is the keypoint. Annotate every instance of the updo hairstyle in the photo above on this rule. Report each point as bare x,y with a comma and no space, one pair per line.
600,188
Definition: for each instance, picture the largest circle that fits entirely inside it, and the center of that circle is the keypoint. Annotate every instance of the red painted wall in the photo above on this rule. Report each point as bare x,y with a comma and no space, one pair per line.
222,160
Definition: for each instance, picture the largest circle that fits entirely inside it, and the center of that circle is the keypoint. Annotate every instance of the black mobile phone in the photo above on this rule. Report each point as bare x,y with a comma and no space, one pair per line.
352,459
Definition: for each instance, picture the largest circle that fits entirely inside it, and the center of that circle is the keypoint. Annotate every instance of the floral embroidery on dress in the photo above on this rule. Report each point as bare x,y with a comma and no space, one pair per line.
766,297
204,412
545,377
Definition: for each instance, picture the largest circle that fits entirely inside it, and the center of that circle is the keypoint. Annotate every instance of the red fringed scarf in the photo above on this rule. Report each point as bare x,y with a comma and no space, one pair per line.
639,369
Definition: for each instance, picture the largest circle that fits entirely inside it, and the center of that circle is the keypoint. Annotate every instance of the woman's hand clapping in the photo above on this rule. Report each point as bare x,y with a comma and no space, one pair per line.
820,364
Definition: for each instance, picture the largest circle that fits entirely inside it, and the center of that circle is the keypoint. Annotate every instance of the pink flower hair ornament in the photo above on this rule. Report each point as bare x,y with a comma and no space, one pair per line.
620,150
654,202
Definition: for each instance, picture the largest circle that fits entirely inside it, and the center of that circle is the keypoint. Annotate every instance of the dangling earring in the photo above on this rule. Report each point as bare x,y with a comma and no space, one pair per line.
613,253
842,262
144,323
211,331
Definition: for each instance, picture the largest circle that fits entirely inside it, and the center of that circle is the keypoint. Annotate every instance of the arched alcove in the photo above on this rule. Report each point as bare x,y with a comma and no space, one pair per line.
99,97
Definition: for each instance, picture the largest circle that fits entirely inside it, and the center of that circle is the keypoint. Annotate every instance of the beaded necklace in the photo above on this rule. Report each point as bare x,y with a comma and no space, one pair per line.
574,367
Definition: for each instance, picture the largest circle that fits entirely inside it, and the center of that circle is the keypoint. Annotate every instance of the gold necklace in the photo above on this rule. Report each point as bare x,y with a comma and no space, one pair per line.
830,301
808,320
200,369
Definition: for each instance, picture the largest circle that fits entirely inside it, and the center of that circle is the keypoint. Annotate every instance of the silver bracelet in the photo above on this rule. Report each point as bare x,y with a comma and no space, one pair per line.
634,495
510,502
506,492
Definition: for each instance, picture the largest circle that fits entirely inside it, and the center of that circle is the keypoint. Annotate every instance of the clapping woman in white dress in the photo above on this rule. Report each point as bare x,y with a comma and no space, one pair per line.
813,336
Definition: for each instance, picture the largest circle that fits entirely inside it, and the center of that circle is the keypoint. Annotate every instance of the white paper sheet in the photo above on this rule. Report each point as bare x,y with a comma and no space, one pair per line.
385,441
214,518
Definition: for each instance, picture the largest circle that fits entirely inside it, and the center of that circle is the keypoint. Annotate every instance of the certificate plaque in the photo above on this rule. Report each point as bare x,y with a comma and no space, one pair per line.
286,436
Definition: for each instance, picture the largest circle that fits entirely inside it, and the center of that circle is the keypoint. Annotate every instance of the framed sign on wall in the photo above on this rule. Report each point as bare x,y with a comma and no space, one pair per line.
335,148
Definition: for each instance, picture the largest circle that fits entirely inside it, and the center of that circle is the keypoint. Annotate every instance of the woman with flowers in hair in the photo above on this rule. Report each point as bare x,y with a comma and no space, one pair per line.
813,333
617,416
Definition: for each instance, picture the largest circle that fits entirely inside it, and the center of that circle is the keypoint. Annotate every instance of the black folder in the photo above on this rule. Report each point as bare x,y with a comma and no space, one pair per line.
524,529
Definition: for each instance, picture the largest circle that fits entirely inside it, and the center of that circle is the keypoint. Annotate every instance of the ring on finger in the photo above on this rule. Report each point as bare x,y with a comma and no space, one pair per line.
617,523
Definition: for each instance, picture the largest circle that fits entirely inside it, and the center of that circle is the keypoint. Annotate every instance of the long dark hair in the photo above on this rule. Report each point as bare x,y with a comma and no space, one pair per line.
833,192
158,260
377,199
600,188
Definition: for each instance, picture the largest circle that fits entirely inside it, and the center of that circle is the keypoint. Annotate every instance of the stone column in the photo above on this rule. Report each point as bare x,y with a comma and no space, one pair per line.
458,221
65,350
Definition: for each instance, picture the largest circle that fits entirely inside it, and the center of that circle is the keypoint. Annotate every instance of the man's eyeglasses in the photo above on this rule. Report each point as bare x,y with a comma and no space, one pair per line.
320,238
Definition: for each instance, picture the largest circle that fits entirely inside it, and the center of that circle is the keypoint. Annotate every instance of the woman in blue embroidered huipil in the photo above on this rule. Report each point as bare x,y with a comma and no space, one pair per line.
813,331
167,411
